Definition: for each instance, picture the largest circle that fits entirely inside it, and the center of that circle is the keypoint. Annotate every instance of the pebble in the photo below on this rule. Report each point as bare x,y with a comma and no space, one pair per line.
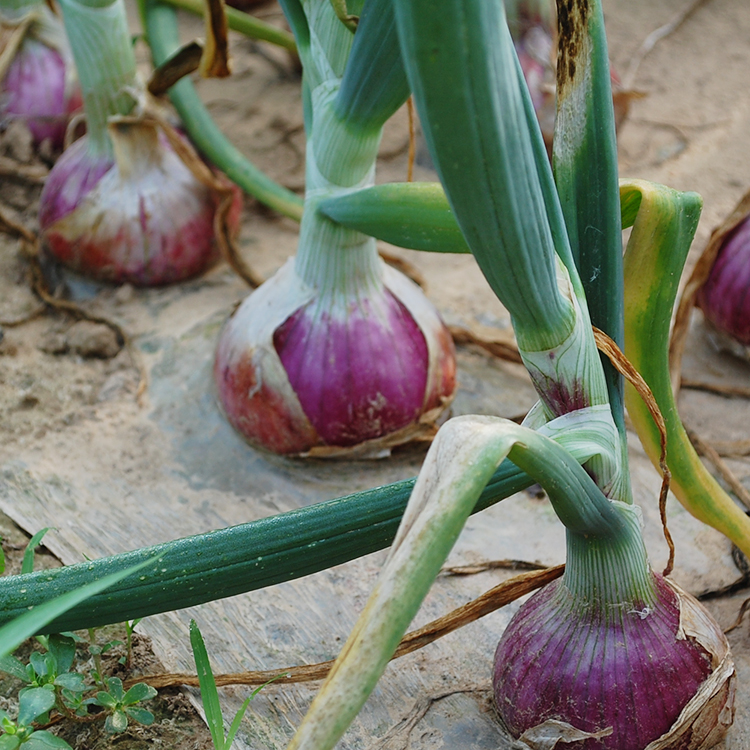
89,339
125,294
54,342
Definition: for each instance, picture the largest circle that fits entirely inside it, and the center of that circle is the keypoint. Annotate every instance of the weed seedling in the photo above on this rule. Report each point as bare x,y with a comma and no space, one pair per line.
210,695
123,706
35,702
33,706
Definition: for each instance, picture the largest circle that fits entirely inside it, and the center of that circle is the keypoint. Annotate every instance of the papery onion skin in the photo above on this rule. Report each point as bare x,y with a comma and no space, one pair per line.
150,228
37,90
629,668
725,297
322,374
76,173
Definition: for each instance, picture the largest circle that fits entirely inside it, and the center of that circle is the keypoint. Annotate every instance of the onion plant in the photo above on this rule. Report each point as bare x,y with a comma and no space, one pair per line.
578,658
310,539
550,247
161,28
337,352
124,203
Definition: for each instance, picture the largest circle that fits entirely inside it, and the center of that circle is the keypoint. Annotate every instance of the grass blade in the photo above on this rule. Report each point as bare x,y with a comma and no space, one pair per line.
161,30
209,693
27,565
236,722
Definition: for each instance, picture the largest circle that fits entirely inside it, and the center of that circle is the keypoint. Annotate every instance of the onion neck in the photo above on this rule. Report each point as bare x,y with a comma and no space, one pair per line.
610,569
103,54
136,147
340,159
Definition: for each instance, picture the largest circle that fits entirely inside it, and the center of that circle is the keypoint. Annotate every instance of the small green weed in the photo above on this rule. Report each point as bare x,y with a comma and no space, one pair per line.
210,695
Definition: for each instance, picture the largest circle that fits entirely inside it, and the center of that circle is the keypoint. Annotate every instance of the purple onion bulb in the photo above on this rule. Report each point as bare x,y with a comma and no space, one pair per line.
632,668
725,297
140,216
298,372
38,90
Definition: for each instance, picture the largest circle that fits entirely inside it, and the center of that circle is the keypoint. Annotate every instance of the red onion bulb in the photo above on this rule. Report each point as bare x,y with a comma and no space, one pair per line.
139,216
39,86
659,676
301,372
725,296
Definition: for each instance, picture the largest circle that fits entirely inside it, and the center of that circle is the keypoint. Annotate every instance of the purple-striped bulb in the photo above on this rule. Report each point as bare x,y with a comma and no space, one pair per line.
638,677
39,89
725,297
298,372
140,216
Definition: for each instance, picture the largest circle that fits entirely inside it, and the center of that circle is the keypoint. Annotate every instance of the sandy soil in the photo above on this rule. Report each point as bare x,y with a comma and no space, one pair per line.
67,386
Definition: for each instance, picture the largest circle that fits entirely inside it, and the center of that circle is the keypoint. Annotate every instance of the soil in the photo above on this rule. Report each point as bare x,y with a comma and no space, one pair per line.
67,385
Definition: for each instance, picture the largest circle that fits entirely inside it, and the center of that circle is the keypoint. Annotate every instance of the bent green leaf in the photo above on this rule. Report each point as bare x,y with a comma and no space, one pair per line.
662,232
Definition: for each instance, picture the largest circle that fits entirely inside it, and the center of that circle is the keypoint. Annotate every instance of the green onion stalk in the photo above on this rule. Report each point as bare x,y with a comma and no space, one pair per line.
160,23
337,354
612,655
492,162
123,204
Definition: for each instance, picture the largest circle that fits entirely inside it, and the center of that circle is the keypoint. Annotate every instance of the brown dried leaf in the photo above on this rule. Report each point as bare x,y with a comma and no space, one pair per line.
412,141
502,346
215,60
469,570
497,597
551,733
732,448
33,173
704,449
406,268
722,390
180,64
